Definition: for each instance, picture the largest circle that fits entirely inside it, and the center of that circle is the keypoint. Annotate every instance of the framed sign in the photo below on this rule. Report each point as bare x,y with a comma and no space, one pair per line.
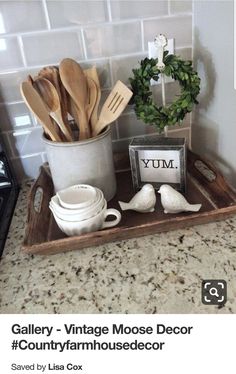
158,160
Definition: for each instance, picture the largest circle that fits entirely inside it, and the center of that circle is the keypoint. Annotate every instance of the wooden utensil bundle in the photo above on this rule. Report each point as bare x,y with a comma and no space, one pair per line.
54,93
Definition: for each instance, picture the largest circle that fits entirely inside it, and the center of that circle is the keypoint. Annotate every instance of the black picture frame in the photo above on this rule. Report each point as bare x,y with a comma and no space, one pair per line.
175,178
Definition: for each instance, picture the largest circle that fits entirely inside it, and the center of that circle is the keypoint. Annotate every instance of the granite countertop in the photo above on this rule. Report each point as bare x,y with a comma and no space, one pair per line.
159,273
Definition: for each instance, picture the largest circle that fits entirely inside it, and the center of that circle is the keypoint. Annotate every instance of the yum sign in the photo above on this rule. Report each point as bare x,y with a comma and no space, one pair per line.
158,161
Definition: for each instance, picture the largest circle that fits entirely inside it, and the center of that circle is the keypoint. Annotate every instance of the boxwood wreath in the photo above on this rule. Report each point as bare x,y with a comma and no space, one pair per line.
180,71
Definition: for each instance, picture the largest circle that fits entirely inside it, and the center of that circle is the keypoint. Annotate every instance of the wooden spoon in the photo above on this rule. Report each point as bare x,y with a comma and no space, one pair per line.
92,73
30,79
51,73
93,93
113,106
75,83
50,97
37,106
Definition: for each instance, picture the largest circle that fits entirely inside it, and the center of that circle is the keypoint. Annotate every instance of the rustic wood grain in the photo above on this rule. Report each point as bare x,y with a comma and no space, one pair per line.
44,237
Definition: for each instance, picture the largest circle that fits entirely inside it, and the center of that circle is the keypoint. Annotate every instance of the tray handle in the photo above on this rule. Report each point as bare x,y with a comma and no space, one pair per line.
38,216
211,180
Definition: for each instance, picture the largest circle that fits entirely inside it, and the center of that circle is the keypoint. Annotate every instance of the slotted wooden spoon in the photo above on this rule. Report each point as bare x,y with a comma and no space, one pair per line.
37,106
113,106
51,98
75,82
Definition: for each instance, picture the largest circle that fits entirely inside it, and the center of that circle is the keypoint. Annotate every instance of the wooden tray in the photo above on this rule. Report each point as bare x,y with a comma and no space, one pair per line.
204,185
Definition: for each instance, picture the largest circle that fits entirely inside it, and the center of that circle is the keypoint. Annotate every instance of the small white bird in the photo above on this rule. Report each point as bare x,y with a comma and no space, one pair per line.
143,201
173,202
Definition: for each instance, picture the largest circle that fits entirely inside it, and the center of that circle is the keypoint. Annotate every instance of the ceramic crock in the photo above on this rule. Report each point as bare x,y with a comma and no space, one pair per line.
87,161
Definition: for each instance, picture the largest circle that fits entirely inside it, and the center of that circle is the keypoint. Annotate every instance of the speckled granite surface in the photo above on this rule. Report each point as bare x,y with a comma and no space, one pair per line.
161,273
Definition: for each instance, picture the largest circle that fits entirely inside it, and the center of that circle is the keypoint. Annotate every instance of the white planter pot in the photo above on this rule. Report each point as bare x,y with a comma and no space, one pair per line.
87,161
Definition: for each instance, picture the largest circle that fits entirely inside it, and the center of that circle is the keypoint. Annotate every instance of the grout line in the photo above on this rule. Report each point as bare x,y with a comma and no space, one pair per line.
187,46
46,13
26,156
19,131
148,135
142,35
193,34
12,153
169,12
111,72
109,10
97,24
21,46
83,44
2,104
87,60
176,15
112,84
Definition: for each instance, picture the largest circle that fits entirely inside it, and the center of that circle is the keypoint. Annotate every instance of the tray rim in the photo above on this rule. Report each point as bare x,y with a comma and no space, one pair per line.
127,232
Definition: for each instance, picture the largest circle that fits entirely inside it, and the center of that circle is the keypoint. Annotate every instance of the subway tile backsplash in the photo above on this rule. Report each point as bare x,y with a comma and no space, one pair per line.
113,39
15,117
139,9
76,13
178,27
110,34
51,47
11,57
21,16
178,6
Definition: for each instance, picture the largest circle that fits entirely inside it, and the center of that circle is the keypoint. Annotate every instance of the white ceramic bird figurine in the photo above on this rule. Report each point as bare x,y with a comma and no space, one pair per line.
143,201
173,202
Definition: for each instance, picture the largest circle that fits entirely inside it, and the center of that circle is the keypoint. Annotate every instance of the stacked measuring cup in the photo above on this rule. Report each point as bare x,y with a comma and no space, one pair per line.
81,209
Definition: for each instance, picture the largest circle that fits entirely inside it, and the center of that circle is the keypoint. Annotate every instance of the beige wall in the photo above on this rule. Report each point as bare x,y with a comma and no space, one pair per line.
214,125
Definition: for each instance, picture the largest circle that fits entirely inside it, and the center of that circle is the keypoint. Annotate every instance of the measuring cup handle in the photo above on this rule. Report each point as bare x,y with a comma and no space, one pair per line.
111,212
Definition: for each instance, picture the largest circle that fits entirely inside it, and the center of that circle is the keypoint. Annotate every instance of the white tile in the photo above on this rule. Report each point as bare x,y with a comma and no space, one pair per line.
72,13
10,56
17,16
15,116
122,67
6,144
183,133
179,28
26,142
103,69
184,53
138,9
27,167
51,47
178,6
10,84
129,126
110,40
172,89
121,145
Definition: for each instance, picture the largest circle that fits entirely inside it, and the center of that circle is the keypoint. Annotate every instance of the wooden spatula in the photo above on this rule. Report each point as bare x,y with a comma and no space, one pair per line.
113,106
75,82
37,106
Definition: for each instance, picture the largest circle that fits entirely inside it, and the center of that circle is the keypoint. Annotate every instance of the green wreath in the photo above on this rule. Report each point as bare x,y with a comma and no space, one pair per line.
179,70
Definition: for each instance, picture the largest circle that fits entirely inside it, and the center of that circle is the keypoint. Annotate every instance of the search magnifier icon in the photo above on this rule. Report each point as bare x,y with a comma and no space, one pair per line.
213,292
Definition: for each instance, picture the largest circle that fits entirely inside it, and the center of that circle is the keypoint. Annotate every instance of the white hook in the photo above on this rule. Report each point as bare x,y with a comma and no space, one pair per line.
160,42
